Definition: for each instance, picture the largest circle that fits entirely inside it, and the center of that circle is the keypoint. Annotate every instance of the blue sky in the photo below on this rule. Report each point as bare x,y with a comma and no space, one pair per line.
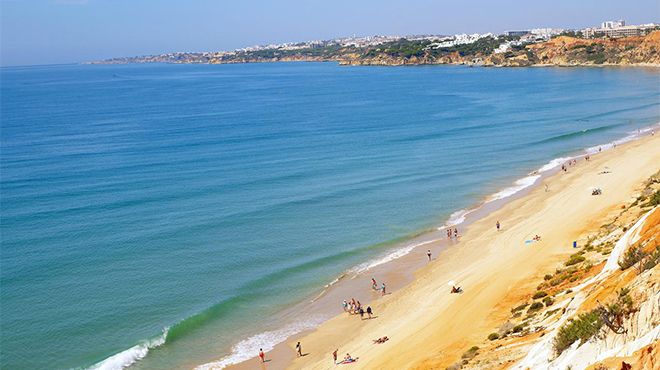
63,31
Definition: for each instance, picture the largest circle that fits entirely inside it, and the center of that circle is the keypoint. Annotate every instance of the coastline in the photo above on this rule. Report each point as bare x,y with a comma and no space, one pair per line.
404,269
403,64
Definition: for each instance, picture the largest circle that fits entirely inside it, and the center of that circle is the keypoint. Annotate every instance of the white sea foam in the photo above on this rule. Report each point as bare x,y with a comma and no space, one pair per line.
456,218
554,164
128,357
631,136
519,185
398,253
246,349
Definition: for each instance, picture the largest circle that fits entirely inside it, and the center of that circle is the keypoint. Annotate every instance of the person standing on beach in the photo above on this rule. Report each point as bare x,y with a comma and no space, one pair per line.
428,253
369,312
383,288
374,284
299,349
334,356
455,233
497,224
262,356
361,311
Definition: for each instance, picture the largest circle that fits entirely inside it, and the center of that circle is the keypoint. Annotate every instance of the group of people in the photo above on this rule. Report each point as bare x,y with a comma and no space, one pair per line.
347,359
572,162
452,233
354,307
374,286
381,340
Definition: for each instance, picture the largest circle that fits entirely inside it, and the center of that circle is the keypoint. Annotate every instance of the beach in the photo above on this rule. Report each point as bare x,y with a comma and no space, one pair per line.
427,326
211,227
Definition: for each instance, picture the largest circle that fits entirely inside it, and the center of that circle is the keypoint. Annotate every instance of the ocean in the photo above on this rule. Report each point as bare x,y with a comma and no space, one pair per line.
165,216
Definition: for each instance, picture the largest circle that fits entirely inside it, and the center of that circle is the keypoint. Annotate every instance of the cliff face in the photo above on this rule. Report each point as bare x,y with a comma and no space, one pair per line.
560,51
597,314
569,51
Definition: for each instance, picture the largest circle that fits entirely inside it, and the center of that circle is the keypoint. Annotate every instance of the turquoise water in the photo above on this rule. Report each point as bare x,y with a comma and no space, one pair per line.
206,198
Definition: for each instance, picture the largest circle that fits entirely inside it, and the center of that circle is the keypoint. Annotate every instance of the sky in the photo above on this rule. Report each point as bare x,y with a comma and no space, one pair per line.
69,31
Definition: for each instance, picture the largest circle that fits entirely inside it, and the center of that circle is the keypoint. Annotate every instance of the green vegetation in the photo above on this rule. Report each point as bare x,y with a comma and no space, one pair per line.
470,353
631,257
535,307
623,304
652,260
582,328
540,294
548,301
401,49
519,308
575,259
654,200
484,46
493,336
576,34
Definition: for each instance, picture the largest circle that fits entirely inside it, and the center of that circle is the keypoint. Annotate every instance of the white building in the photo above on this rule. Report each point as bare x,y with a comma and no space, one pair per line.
619,31
613,24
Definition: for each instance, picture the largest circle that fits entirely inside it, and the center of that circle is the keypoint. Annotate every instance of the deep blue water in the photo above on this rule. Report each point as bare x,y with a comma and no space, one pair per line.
134,197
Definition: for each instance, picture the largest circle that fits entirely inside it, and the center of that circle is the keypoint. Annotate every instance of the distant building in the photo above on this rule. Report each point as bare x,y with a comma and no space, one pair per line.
616,29
613,24
516,33
546,33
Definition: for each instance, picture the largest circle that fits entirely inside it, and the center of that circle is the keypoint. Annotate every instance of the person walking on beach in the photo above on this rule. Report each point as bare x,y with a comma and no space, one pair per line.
374,284
334,356
299,349
455,233
428,253
344,305
361,311
383,289
262,356
369,312
497,224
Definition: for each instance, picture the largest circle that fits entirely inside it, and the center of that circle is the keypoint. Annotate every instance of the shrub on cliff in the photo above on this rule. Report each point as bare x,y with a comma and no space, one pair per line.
631,257
654,200
584,327
575,259
548,301
540,294
535,307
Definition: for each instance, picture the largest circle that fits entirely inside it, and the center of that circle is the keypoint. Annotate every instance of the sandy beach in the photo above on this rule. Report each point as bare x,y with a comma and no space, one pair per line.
430,328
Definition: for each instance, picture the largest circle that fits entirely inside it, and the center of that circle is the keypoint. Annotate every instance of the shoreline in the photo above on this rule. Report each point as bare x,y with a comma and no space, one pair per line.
403,269
423,321
353,64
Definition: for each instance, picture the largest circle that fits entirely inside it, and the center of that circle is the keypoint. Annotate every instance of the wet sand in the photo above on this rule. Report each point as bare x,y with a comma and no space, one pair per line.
421,318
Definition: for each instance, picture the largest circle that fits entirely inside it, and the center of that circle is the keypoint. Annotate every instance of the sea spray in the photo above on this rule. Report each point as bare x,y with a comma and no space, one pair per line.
128,357
249,347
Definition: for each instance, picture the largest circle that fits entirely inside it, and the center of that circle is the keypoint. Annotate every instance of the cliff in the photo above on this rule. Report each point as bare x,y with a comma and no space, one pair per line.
559,51
598,310
570,51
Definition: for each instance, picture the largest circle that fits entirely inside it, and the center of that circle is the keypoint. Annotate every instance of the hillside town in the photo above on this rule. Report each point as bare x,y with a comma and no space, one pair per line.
611,29
432,49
